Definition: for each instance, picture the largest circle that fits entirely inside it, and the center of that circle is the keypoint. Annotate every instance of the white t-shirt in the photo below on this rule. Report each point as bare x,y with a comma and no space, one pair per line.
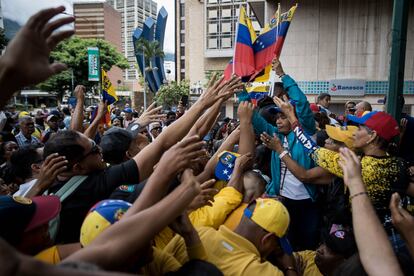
290,186
24,188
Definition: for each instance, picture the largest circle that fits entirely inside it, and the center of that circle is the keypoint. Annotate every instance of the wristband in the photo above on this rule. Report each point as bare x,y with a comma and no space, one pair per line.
357,194
281,76
286,269
283,154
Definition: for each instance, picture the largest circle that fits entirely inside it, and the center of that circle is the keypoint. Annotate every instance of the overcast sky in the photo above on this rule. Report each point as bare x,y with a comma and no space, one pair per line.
21,10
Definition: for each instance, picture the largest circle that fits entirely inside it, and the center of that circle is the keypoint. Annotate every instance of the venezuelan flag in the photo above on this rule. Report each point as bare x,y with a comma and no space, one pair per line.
269,44
260,87
243,59
225,165
108,90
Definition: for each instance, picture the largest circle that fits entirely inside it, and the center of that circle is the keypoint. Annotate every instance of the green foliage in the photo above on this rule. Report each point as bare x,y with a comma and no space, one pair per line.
73,52
151,49
3,39
170,94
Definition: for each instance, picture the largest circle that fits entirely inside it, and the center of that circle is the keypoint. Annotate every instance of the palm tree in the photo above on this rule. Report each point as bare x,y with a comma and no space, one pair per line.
150,49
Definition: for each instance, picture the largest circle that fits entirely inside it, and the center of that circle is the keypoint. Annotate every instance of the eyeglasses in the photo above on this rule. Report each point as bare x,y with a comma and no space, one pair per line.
94,149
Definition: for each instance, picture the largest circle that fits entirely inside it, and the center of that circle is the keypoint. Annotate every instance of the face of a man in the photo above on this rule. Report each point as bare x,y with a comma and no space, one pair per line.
92,159
53,123
350,109
325,102
325,258
27,127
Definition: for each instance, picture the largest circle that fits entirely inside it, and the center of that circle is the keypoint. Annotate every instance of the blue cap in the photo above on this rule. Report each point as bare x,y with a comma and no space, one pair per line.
128,110
361,120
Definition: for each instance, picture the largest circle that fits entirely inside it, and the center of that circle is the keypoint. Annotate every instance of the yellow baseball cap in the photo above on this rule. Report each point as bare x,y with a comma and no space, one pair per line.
342,134
23,114
271,215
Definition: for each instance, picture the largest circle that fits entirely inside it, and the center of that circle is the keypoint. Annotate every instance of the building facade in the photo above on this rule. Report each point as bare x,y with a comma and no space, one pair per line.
133,14
97,19
328,40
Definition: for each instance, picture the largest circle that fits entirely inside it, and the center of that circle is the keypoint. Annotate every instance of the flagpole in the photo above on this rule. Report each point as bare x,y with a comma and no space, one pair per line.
272,73
235,39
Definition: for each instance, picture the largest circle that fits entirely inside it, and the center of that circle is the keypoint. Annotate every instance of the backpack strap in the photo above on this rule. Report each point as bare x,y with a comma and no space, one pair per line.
70,186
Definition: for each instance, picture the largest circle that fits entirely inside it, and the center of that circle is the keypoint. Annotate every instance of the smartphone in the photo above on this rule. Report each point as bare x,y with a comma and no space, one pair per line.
184,100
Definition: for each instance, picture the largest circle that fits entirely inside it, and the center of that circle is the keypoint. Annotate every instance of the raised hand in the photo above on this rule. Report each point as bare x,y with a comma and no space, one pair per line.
79,92
150,115
206,197
51,168
351,166
102,109
27,55
220,89
286,107
272,143
277,67
245,111
181,155
401,218
188,179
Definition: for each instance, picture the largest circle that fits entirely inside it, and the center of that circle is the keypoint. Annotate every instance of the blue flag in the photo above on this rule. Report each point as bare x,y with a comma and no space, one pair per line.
225,165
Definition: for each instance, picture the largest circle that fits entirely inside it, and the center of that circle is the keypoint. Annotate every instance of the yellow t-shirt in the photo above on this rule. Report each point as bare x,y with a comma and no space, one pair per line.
308,259
50,255
224,203
234,218
162,263
231,253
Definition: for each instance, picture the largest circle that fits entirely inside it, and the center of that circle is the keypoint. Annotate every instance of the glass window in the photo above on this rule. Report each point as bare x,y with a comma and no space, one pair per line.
212,28
182,75
182,64
212,43
212,1
226,12
182,9
182,50
212,13
182,38
226,42
226,27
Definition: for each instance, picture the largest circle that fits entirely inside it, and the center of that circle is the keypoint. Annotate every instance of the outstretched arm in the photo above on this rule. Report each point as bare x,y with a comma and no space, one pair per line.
77,118
175,159
206,122
247,139
26,61
149,156
371,239
93,127
110,253
227,145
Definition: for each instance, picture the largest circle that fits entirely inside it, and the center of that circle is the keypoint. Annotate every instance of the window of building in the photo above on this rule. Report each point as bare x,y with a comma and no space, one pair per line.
182,38
212,28
182,24
226,27
182,9
226,42
182,64
226,12
212,43
212,1
182,75
212,13
182,50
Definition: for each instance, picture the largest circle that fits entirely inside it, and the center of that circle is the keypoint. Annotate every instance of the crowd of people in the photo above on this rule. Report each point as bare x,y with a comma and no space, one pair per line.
286,188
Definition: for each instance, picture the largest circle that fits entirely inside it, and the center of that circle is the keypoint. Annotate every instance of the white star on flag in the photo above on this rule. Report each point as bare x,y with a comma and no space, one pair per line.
225,172
228,177
230,166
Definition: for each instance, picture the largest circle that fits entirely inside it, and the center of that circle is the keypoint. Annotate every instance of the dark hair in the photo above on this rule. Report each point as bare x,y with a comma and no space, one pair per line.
322,119
170,113
21,161
197,268
65,143
323,96
66,111
321,136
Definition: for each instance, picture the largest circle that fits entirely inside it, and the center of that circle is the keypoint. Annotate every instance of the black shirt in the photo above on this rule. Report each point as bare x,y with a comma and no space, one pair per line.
98,186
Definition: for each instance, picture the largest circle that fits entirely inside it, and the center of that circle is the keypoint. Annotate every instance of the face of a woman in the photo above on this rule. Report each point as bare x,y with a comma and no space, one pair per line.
9,148
331,145
361,137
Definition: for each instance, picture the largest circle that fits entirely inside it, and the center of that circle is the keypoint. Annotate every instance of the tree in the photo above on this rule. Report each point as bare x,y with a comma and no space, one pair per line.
73,52
208,74
3,39
170,94
151,50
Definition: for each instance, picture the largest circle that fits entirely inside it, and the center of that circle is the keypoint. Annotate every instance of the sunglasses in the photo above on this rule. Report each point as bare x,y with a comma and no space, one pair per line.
94,149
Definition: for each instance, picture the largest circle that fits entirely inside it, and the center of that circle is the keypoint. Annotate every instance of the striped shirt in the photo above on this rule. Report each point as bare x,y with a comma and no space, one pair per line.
23,141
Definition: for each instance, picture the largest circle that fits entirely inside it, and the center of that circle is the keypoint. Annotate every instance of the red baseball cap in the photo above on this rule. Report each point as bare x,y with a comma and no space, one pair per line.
314,107
47,208
382,123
